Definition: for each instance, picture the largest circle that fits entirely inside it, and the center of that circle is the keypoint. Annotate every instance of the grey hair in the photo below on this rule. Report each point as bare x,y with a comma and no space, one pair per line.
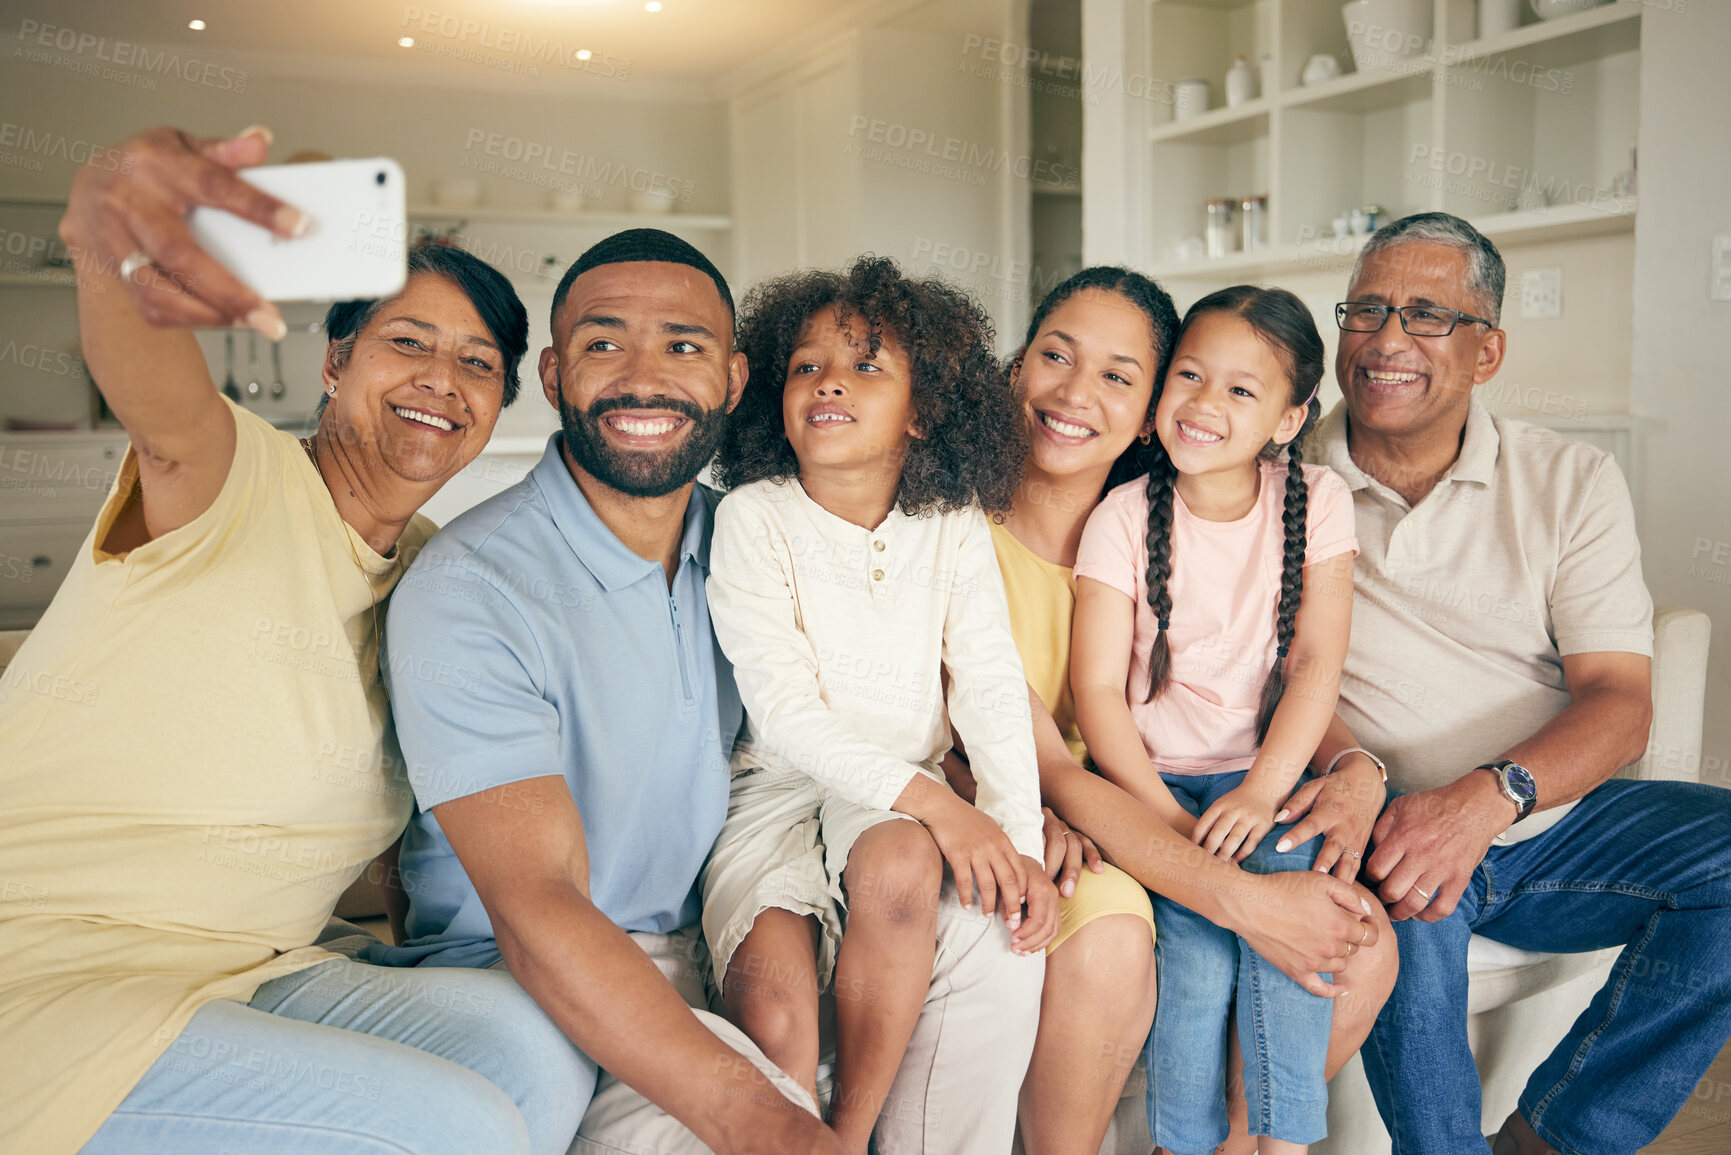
1486,275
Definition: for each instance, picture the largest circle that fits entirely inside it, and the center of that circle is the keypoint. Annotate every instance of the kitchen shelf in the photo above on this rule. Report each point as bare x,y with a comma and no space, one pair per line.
491,213
1216,126
1365,91
1558,223
1587,35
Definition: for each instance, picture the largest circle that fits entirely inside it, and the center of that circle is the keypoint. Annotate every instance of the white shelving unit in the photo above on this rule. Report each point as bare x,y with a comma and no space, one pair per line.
672,221
1551,106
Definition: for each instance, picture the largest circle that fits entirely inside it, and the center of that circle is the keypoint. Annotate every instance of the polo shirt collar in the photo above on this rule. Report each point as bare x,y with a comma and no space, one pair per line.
1477,461
596,547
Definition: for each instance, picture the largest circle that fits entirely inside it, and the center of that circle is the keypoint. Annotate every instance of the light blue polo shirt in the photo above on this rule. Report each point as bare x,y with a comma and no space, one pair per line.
527,640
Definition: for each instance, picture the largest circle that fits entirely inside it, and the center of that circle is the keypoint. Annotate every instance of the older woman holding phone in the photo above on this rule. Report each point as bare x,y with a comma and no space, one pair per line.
1088,373
184,824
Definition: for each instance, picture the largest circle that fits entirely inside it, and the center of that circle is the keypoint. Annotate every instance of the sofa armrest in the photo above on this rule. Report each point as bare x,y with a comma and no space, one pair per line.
1680,639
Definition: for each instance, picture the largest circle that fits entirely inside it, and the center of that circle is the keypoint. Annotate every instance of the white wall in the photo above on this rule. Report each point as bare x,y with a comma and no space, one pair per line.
1682,340
899,139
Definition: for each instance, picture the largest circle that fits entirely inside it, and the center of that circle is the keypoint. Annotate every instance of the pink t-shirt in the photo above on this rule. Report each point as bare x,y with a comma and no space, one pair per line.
1225,585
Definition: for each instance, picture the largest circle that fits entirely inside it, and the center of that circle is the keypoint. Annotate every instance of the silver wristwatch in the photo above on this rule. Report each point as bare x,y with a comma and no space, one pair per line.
1516,783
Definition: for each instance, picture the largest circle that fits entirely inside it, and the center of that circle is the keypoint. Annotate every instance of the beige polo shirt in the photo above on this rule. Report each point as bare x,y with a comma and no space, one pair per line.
1465,605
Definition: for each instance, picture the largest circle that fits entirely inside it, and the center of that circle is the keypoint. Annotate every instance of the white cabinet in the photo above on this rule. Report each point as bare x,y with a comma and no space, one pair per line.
1525,133
51,488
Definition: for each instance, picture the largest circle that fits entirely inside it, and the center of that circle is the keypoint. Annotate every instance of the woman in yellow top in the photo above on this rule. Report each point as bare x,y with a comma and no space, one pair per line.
195,737
1096,349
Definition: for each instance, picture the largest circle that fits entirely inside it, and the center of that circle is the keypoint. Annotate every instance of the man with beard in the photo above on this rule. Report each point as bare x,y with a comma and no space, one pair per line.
566,717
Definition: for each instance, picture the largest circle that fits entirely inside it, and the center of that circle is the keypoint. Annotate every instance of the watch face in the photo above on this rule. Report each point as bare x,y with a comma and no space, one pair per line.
1520,781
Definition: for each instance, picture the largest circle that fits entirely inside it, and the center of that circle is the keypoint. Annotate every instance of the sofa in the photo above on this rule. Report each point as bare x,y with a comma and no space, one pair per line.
1521,1002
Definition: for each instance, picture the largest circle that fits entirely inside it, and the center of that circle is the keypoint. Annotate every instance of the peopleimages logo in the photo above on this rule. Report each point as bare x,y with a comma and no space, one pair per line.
93,51
538,47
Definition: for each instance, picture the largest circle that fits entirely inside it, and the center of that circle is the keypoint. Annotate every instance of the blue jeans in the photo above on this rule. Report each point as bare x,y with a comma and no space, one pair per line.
344,1058
1282,1028
1641,865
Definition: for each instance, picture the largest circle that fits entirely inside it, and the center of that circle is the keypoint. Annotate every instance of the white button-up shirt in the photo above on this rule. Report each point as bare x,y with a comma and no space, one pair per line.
840,639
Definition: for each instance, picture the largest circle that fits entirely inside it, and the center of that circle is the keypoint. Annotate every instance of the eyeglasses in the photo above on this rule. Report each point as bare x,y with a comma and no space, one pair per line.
1418,320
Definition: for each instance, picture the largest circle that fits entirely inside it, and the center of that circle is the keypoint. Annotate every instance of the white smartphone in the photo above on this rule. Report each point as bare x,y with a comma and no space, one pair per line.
355,246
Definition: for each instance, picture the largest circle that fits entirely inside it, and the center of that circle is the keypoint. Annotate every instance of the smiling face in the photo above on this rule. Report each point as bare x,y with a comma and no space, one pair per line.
1398,385
643,374
1227,395
1087,380
422,387
847,409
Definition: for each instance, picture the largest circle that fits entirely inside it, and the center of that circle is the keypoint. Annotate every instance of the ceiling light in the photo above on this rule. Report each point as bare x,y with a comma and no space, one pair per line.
584,54
652,6
406,42
195,25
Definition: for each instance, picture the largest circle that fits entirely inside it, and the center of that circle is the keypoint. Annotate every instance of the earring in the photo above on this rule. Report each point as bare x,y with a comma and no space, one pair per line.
330,390
1146,436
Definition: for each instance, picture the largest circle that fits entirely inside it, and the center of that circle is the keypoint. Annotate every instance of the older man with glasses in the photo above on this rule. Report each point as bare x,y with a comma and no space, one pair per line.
1500,665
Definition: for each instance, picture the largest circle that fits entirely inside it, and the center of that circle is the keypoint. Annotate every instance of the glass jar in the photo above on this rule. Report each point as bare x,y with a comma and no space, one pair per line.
1221,236
1253,222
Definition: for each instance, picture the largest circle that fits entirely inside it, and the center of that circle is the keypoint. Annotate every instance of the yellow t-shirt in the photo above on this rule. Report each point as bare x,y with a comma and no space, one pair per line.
1042,596
193,768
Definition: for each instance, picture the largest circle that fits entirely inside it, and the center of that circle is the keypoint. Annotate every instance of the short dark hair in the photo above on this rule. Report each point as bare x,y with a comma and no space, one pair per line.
638,245
487,289
973,437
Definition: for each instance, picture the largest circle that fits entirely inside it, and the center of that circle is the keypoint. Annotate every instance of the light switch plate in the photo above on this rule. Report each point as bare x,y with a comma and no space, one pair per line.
1542,293
1722,267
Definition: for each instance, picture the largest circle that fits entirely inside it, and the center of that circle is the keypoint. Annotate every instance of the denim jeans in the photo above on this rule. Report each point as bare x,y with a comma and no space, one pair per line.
1641,865
344,1058
1203,972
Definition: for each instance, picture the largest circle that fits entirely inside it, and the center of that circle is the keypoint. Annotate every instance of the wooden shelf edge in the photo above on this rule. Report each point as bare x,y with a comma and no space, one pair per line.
1546,30
1559,223
1354,83
1214,118
708,221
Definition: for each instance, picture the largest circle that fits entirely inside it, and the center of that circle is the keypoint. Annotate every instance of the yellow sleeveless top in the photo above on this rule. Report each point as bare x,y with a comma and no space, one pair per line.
1042,597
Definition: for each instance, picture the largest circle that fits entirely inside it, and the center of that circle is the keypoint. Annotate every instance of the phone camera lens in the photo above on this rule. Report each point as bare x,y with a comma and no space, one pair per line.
380,178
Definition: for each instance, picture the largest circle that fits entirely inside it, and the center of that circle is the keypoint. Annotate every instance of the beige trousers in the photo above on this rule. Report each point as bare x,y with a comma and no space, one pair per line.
957,1087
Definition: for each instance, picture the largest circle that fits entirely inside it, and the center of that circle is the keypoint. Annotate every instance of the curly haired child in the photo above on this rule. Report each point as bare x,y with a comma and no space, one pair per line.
854,588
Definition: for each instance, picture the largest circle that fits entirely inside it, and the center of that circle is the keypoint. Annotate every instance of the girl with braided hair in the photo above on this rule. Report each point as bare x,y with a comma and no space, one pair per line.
1213,605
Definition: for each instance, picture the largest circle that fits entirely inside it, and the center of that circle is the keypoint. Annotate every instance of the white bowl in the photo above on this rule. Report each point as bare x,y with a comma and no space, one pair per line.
1551,9
1384,33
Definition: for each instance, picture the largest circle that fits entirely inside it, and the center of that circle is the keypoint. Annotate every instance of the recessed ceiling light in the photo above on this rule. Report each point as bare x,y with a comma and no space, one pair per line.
652,6
406,42
195,25
584,54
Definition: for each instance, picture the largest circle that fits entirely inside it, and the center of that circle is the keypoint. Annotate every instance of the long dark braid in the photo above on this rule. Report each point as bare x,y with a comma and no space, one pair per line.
1282,320
1161,476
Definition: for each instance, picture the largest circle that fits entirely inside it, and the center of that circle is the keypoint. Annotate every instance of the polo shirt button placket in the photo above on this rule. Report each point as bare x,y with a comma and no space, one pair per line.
878,574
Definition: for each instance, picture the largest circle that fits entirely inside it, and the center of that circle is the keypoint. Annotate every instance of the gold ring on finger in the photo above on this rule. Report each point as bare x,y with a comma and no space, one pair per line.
1363,937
